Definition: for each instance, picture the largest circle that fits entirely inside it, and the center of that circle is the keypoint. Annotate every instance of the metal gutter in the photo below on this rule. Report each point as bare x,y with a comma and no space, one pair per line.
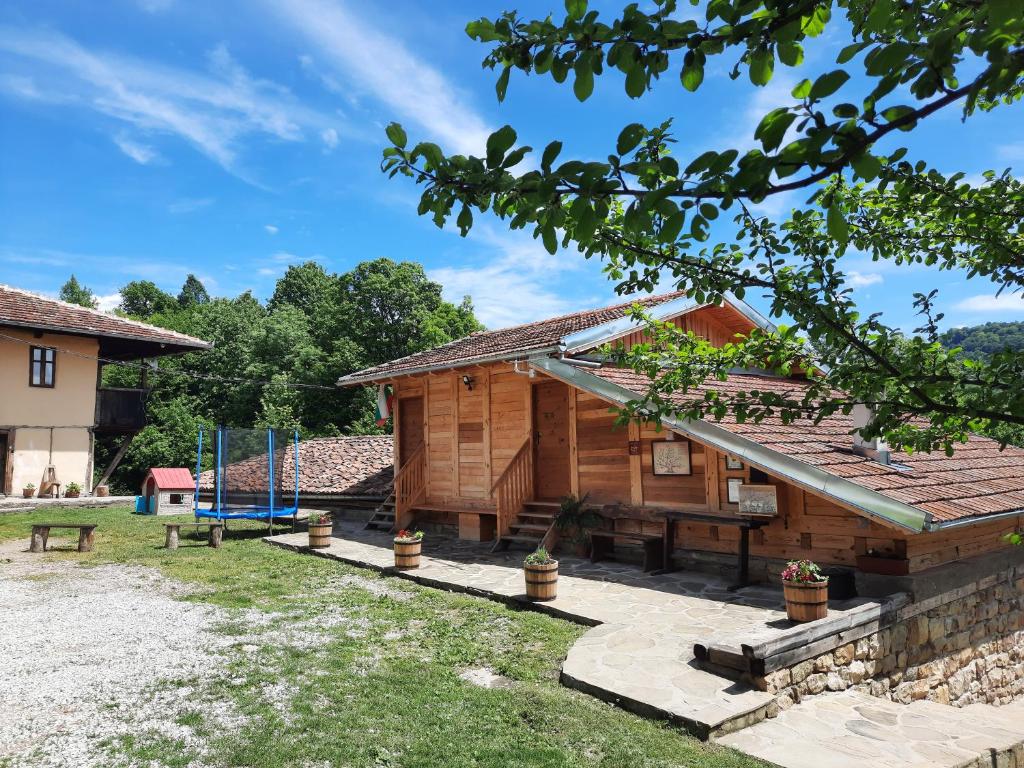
623,326
945,525
870,503
496,357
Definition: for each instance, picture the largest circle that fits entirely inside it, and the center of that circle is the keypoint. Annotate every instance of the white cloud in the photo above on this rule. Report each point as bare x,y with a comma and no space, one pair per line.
1012,303
142,154
863,279
329,137
189,204
214,110
271,229
109,302
370,61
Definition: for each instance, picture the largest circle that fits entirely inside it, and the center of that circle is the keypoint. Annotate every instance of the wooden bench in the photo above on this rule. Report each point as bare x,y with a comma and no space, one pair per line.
171,533
41,534
602,544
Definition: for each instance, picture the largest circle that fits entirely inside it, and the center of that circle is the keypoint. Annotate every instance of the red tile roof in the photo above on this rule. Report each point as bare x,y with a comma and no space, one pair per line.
172,479
23,309
510,342
979,479
328,466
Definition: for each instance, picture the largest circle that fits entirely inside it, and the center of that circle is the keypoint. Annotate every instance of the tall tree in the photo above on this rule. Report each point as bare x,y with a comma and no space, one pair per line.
647,210
142,299
193,292
74,292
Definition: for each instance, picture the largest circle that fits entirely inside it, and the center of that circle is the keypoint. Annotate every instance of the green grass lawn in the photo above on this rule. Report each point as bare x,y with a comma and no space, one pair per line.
380,685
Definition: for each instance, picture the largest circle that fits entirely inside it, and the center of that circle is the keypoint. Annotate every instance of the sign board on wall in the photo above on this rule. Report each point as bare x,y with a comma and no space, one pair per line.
671,457
758,500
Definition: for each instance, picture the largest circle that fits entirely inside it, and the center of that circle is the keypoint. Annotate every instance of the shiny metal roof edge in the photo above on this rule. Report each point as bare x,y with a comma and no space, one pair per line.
865,500
352,380
623,326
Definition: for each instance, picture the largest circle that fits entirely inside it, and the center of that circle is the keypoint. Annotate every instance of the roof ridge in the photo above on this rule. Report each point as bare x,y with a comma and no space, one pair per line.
100,313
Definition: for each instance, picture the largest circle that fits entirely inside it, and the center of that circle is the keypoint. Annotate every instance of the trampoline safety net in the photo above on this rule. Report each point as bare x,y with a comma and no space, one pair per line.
254,473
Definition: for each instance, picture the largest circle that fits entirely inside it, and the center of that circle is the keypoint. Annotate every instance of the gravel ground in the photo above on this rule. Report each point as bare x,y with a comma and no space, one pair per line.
87,653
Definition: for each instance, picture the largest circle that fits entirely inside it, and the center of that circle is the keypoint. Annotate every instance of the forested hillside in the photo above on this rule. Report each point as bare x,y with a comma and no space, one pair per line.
982,341
275,364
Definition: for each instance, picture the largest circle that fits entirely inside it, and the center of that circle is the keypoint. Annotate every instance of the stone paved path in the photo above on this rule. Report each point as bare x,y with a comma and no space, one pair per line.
641,655
855,730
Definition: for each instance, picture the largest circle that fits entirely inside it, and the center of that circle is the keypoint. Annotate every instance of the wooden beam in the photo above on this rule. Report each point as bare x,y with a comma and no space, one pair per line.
426,437
485,393
574,456
636,469
396,429
456,384
711,478
115,461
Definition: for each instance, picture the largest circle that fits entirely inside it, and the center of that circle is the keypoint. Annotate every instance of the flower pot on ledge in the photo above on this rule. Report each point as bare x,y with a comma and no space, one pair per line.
407,552
541,580
806,600
320,534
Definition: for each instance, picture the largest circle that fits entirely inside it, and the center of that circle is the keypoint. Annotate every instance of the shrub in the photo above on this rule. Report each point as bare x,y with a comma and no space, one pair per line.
540,557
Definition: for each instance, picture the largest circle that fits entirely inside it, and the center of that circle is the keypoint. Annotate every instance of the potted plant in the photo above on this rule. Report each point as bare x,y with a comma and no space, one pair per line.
72,491
574,519
806,591
320,528
29,490
883,562
408,545
102,490
541,572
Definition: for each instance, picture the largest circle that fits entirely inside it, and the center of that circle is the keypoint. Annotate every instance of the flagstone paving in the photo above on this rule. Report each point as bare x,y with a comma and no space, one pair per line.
854,730
639,655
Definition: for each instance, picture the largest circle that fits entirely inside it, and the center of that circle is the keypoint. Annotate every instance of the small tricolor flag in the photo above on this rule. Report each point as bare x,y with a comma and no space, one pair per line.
385,401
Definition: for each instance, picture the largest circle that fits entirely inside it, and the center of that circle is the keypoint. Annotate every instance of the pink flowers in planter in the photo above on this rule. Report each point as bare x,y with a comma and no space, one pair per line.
803,572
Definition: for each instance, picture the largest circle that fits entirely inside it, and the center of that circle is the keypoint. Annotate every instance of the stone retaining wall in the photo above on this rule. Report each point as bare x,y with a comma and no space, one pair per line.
962,647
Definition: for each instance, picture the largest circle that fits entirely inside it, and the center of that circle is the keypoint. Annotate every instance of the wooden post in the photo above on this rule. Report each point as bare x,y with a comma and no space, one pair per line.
171,539
636,478
574,458
85,539
485,394
216,536
39,536
711,478
456,385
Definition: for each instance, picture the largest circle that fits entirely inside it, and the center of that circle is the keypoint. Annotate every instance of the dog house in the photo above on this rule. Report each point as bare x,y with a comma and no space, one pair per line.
169,491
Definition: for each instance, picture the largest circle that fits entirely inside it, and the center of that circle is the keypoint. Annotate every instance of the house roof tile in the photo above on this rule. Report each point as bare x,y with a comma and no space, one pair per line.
172,478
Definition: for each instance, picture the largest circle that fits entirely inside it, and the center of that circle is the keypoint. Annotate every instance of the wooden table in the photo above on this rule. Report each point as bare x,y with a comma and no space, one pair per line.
745,524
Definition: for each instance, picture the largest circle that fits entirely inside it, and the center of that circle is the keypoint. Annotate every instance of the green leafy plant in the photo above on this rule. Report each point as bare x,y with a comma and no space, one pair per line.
407,536
1016,539
319,518
539,557
575,518
30,486
803,572
73,487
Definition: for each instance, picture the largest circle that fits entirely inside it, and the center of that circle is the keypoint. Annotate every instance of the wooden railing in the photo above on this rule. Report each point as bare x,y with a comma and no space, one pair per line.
410,486
514,486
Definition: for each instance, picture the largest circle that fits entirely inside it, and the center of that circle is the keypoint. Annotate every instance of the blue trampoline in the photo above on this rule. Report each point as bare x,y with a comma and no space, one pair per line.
255,474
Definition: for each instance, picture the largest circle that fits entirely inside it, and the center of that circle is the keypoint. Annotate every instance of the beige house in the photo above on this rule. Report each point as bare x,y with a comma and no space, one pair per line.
51,403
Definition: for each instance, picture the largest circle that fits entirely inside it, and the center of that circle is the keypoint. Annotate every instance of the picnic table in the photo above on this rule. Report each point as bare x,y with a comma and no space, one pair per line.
41,535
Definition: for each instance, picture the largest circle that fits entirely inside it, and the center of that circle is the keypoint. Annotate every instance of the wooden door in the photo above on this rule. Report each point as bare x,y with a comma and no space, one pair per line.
551,440
410,426
3,464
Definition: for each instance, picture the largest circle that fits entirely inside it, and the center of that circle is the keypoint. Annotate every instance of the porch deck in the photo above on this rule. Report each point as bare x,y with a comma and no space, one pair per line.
640,652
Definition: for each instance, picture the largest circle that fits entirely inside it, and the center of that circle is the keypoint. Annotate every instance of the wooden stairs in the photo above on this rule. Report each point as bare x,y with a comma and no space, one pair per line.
383,517
533,527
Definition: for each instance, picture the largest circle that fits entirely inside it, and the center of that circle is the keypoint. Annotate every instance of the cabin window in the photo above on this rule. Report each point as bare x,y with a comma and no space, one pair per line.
42,366
177,498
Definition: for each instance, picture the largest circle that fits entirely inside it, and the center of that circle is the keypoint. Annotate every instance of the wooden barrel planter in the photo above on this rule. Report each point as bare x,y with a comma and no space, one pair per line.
806,601
407,553
542,581
320,535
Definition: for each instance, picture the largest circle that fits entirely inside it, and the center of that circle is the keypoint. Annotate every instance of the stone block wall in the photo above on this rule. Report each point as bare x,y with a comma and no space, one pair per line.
958,648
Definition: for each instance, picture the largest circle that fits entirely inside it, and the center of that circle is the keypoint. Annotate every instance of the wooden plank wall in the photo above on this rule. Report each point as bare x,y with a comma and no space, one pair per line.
602,452
712,323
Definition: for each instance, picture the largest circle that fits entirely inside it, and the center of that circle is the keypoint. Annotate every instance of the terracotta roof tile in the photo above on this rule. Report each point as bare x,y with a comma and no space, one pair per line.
328,466
23,309
505,341
978,479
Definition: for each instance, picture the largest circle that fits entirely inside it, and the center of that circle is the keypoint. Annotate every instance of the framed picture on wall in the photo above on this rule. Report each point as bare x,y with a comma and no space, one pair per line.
671,457
731,462
758,500
734,484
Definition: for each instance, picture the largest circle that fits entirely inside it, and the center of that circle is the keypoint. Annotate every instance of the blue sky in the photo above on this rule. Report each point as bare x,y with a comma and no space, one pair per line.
146,139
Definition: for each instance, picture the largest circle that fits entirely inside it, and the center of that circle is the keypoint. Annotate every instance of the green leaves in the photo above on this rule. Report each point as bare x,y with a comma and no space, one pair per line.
693,70
838,229
762,64
396,135
550,153
630,137
498,143
828,84
583,85
772,128
576,9
501,86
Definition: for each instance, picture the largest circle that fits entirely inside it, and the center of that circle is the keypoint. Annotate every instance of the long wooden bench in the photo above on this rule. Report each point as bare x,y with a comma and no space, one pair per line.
41,535
602,545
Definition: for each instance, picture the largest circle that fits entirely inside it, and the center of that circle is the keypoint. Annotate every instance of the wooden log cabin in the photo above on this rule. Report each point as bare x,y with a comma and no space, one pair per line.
494,429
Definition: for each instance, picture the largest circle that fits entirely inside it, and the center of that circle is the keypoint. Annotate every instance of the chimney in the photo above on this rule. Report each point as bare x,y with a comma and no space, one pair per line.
875,447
